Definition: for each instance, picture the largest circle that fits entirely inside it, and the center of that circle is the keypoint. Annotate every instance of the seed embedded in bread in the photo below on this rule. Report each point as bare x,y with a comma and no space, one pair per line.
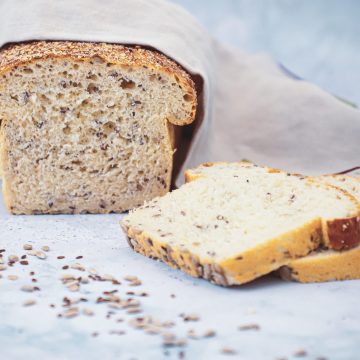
88,128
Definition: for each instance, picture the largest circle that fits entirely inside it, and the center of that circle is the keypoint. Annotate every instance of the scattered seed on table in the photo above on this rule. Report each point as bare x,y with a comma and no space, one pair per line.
27,247
40,255
65,267
192,335
79,257
24,262
228,351
249,327
209,333
134,310
152,330
13,258
131,278
74,287
2,250
32,273
77,266
13,277
300,353
28,288
45,248
3,267
135,283
23,257
167,336
190,317
29,303
84,280
60,257
92,271
72,312
117,332
88,312
107,277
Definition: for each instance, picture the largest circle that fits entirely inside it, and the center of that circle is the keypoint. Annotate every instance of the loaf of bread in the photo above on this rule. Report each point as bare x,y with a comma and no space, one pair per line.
235,222
88,128
328,265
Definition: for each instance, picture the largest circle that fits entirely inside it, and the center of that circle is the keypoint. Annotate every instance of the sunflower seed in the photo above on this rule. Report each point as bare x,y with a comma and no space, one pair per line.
29,302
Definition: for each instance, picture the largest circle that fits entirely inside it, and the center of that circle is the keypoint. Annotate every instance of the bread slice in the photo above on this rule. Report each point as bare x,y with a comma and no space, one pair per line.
88,128
340,234
324,265
239,224
328,265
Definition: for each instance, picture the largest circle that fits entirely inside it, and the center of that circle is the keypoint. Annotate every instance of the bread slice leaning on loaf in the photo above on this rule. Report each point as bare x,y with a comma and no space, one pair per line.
87,127
328,265
242,223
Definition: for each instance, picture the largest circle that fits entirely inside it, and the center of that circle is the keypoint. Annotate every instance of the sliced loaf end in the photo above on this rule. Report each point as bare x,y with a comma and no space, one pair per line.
88,128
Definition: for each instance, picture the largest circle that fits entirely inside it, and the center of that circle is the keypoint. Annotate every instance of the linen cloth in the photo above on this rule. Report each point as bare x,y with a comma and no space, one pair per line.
252,109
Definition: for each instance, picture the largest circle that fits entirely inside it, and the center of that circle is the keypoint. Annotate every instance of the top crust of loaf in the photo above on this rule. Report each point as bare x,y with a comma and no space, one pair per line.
15,55
339,234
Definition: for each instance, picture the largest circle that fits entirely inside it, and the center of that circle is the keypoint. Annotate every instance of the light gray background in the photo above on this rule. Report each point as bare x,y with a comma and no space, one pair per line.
315,39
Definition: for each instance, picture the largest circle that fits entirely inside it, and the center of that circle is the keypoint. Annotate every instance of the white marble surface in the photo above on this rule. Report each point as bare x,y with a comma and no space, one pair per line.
324,319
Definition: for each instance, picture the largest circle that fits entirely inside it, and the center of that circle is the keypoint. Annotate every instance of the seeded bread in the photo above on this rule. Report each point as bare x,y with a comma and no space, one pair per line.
238,225
328,265
88,128
340,234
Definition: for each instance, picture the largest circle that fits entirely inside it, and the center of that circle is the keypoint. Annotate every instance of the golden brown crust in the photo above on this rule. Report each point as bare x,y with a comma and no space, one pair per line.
344,234
237,270
324,266
15,55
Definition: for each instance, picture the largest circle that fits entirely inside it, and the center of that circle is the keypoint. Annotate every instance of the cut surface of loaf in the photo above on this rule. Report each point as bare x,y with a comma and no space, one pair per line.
328,265
238,225
88,128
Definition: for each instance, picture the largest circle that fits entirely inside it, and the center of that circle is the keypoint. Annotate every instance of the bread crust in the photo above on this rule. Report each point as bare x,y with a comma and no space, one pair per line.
14,55
324,266
240,268
339,234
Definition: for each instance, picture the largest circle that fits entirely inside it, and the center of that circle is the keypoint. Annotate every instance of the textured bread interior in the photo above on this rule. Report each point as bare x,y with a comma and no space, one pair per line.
237,214
333,201
90,128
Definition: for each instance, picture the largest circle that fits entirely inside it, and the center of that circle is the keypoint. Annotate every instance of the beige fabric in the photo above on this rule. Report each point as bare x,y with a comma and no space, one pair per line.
252,109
